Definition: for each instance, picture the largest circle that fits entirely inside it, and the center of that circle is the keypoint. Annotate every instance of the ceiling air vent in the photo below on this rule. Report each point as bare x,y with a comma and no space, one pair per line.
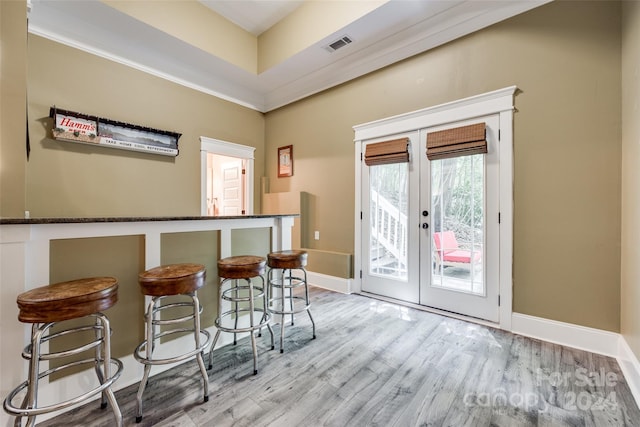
341,42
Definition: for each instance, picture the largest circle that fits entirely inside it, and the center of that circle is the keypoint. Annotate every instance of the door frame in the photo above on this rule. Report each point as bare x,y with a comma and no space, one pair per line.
230,149
496,102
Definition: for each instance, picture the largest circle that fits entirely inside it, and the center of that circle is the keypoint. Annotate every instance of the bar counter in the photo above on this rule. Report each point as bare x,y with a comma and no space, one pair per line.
27,257
78,220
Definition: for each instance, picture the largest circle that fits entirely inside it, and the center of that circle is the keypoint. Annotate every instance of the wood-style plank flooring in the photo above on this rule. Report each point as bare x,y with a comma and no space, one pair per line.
379,364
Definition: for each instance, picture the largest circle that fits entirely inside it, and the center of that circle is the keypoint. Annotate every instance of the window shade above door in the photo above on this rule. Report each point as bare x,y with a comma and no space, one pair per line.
456,142
386,152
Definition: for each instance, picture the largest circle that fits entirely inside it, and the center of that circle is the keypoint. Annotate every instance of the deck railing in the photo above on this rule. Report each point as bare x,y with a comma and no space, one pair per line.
389,229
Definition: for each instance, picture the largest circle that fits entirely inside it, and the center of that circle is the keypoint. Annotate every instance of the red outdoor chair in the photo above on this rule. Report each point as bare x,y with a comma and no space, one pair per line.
449,254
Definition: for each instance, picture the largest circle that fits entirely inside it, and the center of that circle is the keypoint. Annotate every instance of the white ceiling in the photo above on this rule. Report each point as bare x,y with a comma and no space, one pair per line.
254,16
394,31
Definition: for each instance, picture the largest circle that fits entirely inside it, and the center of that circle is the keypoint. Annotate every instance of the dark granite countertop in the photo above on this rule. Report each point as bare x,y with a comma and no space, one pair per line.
80,220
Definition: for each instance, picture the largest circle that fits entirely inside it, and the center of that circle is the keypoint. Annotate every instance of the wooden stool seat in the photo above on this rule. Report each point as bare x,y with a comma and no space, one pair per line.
67,300
241,267
174,279
287,259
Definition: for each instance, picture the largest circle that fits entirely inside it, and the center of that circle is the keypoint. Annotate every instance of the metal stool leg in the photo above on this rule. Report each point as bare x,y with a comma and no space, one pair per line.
31,399
254,345
213,345
149,347
106,357
98,356
282,316
218,321
306,299
235,304
143,384
215,339
196,334
265,310
290,287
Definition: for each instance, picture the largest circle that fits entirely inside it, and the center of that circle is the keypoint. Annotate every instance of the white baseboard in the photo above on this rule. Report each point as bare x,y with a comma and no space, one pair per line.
331,283
576,336
630,368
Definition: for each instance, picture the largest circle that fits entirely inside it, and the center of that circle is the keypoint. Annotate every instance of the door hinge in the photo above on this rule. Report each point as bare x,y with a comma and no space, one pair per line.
361,215
361,156
361,274
244,171
498,134
499,218
498,300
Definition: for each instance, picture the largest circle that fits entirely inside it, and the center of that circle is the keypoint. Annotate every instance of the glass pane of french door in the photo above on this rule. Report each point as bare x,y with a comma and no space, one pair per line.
388,209
457,204
390,244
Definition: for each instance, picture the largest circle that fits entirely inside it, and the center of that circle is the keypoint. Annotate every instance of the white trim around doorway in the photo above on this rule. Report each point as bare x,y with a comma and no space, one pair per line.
496,102
230,149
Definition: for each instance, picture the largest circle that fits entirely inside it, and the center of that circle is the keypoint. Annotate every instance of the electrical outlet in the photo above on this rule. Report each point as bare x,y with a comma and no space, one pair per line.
316,235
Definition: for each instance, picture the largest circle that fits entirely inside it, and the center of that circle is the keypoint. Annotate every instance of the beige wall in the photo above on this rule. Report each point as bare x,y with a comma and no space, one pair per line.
69,179
13,100
565,59
630,280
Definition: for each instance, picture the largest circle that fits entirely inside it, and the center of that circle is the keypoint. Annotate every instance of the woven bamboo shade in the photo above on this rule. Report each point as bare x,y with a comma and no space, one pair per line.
456,142
384,153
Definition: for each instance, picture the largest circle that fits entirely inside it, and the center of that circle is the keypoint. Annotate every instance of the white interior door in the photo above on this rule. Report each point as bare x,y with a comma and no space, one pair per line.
459,251
430,231
232,188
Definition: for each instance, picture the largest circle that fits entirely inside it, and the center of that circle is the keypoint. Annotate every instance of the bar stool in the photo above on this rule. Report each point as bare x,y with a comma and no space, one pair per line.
48,306
231,270
281,266
160,283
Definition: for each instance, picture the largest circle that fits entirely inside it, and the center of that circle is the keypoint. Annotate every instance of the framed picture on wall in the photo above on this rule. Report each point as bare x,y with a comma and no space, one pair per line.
285,161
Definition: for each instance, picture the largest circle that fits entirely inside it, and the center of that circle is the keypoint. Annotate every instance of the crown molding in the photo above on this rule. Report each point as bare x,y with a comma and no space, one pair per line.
394,31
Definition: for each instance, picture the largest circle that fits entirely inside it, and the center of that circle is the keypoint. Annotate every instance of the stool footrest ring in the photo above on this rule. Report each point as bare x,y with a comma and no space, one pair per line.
137,354
274,309
258,292
264,321
30,412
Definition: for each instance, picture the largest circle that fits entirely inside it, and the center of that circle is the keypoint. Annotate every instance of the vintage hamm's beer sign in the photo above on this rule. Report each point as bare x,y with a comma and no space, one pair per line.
77,127
72,124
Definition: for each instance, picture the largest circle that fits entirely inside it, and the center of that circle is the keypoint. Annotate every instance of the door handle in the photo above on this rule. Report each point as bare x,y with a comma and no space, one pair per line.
425,225
425,213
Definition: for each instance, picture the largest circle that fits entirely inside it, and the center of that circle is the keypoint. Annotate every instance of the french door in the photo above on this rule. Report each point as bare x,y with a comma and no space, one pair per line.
390,205
430,228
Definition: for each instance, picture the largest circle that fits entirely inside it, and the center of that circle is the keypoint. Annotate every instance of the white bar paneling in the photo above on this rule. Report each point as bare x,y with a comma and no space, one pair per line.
24,264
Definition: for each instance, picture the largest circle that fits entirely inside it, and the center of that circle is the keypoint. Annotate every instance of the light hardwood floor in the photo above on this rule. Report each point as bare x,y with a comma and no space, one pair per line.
379,364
